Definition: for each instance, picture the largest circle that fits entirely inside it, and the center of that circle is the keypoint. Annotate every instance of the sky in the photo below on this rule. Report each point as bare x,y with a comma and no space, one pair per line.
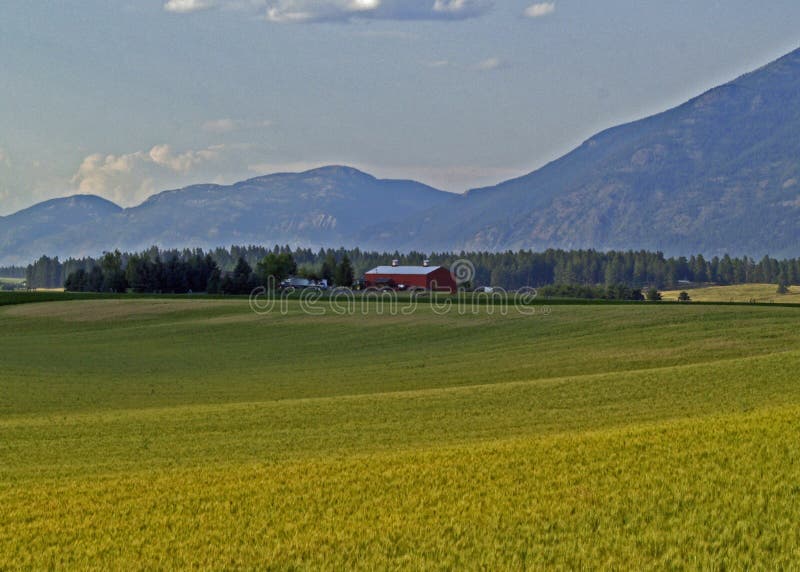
125,98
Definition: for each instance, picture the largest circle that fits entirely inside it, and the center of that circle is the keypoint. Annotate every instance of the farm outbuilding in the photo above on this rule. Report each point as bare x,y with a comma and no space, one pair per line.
436,278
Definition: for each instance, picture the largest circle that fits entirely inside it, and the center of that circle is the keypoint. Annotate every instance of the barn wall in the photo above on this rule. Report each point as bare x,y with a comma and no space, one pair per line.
408,280
440,277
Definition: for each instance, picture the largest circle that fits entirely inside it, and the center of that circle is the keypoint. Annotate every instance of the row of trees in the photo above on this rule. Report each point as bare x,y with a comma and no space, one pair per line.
184,270
12,271
637,269
191,271
612,292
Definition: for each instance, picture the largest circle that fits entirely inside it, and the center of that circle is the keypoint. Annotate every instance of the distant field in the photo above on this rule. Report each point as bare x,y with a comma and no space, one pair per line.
157,433
762,293
26,297
12,281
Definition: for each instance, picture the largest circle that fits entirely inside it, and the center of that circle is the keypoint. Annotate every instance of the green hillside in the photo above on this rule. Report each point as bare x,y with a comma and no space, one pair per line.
195,433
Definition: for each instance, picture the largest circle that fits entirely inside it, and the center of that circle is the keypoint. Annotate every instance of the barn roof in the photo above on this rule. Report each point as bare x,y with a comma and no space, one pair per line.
404,270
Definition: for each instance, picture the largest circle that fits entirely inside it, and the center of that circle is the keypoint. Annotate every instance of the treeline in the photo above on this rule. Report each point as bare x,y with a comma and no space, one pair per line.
192,271
114,272
611,292
634,269
195,270
12,272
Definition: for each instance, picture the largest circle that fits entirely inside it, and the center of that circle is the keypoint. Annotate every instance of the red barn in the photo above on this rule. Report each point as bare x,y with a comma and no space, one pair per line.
409,277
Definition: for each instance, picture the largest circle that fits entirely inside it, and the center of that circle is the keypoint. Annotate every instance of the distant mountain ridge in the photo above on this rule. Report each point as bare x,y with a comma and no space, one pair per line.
325,206
37,228
718,174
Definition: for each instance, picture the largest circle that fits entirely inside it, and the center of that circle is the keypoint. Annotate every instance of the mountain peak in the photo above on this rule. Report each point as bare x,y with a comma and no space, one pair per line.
72,202
330,206
337,171
331,172
718,174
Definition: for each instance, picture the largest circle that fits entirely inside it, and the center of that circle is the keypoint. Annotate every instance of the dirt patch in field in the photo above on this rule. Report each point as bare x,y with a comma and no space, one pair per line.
101,310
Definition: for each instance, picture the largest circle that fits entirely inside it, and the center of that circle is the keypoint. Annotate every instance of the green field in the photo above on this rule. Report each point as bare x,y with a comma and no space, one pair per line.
741,293
11,281
162,433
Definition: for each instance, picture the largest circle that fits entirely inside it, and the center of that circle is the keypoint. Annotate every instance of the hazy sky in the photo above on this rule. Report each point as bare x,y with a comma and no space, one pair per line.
126,98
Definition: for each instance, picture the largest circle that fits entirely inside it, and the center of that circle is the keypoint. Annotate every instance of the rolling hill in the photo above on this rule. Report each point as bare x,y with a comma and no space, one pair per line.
190,433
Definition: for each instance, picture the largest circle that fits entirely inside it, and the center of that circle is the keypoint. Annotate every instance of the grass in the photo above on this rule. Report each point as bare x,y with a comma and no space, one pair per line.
10,283
161,433
742,293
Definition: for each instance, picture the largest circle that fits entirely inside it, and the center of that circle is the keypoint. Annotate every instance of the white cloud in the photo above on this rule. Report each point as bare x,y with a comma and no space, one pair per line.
187,6
228,125
130,178
451,6
221,125
288,11
358,5
181,162
489,64
389,34
540,9
437,63
296,11
112,176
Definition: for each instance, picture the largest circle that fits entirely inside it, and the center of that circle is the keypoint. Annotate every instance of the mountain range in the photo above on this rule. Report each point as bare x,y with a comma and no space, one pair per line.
718,174
327,206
